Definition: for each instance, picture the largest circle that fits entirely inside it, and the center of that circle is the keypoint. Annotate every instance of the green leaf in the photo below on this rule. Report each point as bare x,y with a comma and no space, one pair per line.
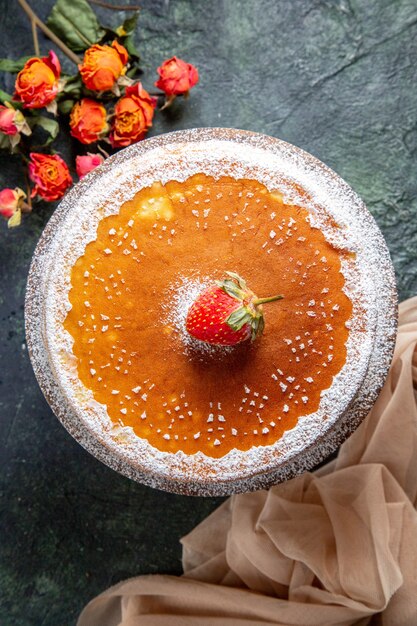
239,318
126,33
48,124
129,24
4,142
131,48
8,65
75,23
5,97
65,106
73,86
239,280
259,326
125,29
230,287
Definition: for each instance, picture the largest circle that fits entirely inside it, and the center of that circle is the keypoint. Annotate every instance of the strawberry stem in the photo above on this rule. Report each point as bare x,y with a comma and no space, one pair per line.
264,300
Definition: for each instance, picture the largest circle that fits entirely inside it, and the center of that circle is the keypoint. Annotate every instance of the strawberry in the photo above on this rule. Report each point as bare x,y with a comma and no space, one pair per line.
227,313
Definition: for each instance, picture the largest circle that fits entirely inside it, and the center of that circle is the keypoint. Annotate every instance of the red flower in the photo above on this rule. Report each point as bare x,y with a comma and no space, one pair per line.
7,120
87,163
50,174
88,121
12,123
10,201
37,83
103,65
132,116
176,77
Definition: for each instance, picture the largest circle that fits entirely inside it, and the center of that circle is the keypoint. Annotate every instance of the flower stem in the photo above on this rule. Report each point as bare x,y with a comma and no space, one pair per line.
38,22
35,38
264,300
28,192
115,7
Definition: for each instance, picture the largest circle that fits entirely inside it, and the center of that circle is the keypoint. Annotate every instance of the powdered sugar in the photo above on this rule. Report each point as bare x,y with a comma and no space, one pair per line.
368,282
179,300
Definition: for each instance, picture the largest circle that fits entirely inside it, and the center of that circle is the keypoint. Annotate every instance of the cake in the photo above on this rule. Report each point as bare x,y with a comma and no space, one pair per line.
131,249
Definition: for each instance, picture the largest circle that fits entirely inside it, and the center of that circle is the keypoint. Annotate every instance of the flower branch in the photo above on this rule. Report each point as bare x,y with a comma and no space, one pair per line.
35,37
115,7
43,27
104,100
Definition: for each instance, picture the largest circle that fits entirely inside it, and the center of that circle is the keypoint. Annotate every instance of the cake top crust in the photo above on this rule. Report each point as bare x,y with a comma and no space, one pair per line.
302,181
134,284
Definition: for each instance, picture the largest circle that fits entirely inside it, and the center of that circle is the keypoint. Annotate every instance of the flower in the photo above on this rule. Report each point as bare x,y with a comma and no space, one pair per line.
10,201
37,83
87,163
88,121
132,116
12,123
11,204
7,120
176,77
50,174
103,65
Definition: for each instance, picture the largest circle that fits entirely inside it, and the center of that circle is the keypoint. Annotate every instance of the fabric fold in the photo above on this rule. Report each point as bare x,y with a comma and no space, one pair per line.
337,547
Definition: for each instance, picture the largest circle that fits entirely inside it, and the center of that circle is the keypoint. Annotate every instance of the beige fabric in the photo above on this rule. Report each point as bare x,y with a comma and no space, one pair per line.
333,548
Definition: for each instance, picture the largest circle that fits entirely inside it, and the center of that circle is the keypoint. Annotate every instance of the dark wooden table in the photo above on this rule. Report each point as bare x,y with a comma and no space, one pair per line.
335,77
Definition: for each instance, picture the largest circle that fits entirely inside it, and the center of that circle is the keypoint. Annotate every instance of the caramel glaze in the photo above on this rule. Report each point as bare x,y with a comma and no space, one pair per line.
132,352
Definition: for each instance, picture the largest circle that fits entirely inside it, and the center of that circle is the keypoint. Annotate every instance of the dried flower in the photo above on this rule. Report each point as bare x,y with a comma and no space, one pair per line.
120,111
88,121
11,202
37,83
103,65
87,163
8,124
132,116
176,77
50,174
12,123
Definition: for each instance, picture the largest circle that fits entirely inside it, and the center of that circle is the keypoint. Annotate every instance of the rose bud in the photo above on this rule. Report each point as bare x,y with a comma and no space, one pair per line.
10,201
88,121
132,116
37,83
87,163
103,65
7,120
176,77
50,174
11,204
12,123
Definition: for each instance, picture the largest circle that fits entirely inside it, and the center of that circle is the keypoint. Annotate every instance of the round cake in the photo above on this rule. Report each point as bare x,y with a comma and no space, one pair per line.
125,261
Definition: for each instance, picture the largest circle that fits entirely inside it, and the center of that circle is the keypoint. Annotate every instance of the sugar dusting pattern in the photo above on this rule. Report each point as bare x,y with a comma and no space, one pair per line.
172,418
219,157
104,353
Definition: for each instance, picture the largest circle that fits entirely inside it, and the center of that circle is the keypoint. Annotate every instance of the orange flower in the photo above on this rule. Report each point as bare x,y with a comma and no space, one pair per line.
88,121
176,77
50,174
103,65
37,83
132,116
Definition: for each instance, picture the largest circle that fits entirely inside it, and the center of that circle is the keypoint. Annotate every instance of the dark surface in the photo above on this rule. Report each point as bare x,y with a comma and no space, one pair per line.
335,77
